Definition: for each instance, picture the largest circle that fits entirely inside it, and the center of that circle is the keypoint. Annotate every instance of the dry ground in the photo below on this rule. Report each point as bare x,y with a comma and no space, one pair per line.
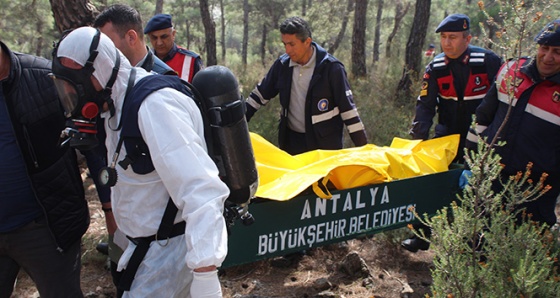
393,271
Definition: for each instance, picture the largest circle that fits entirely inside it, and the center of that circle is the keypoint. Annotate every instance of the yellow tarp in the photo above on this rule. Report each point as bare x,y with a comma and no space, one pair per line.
283,176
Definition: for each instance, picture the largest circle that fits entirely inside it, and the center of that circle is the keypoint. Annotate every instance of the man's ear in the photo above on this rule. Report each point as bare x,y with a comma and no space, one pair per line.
131,37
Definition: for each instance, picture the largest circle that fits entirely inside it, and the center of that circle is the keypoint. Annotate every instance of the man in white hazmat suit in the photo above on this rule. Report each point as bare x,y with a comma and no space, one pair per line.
184,264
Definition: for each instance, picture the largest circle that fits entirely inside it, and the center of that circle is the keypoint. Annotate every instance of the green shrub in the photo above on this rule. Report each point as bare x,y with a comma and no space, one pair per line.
481,250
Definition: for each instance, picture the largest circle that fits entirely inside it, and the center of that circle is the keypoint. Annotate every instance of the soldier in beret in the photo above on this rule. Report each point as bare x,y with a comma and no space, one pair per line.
530,133
162,36
431,51
454,84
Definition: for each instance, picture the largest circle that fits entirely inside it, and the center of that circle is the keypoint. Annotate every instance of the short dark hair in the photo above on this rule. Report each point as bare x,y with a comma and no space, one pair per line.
297,26
123,18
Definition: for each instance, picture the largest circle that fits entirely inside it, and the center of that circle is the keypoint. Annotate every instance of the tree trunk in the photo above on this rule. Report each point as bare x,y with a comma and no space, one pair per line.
263,43
305,5
413,56
209,33
159,7
359,39
376,38
342,31
71,14
400,12
39,27
188,33
223,33
245,33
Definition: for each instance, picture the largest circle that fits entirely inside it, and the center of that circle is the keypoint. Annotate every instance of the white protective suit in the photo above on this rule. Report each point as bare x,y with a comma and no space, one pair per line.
172,127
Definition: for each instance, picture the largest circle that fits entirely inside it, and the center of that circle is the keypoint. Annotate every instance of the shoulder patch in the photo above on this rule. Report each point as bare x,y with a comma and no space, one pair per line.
323,105
440,62
424,90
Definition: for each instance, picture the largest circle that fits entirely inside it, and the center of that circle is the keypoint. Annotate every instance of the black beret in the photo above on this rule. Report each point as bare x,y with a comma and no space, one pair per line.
158,22
550,34
454,23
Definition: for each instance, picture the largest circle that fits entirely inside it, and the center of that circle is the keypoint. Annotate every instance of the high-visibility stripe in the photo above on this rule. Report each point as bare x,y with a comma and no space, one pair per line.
262,100
474,137
325,116
480,128
504,70
474,97
188,65
542,114
506,98
448,97
477,60
253,103
355,127
349,114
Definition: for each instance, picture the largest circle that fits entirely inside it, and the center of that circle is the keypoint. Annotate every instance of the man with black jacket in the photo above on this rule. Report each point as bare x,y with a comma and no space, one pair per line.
44,213
453,86
314,93
529,127
123,24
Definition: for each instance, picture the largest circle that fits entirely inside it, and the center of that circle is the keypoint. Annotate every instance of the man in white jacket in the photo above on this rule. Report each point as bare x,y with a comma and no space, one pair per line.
183,264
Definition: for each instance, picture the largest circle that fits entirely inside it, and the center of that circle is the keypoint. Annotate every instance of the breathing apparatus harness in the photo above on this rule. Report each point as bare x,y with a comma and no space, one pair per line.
139,159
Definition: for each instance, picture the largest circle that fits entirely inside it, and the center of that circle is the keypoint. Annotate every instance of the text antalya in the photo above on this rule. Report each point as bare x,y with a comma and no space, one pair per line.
309,235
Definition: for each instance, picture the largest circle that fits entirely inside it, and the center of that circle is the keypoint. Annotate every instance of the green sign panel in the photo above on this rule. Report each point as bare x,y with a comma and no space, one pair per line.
308,221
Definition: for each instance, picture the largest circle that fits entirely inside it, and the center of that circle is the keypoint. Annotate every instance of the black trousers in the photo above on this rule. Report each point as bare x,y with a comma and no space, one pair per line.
295,142
32,249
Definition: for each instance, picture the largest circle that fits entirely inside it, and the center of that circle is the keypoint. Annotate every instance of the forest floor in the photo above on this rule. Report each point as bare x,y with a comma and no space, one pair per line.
387,270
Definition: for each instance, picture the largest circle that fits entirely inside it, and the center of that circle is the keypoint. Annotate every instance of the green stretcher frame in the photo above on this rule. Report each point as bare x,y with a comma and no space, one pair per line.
307,221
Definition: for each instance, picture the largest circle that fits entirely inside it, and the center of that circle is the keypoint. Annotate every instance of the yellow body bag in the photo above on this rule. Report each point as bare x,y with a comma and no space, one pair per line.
283,176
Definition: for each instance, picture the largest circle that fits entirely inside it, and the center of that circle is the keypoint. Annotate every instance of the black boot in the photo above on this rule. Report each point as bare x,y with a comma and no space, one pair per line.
103,247
414,244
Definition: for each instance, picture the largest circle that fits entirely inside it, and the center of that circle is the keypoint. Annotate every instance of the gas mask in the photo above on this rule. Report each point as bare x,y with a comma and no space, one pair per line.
79,98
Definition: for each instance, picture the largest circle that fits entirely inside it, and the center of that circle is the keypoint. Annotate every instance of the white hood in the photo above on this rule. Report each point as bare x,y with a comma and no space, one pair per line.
76,46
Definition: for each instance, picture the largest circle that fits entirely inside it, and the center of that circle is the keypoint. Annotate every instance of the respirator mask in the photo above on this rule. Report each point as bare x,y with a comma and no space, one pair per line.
79,98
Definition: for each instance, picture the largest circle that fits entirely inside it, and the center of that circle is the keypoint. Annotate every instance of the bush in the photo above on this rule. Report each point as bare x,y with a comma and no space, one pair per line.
482,250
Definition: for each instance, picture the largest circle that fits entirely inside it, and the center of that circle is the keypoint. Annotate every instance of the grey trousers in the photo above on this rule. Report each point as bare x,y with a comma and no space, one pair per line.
32,248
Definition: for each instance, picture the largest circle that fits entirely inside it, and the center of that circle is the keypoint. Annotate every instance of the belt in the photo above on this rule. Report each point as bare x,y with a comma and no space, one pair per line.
178,229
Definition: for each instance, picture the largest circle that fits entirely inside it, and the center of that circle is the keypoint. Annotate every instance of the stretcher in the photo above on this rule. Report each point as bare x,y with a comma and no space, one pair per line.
315,217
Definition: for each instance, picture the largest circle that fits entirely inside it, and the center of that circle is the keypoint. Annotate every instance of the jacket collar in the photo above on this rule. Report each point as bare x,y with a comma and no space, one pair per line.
464,58
321,55
171,53
529,68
